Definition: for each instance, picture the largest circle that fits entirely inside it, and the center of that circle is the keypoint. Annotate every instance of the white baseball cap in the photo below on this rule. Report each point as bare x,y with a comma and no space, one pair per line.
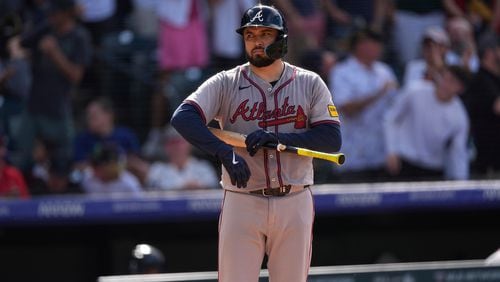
436,34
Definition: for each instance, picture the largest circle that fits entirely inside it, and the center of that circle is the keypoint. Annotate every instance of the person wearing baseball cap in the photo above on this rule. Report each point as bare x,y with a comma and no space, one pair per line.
435,43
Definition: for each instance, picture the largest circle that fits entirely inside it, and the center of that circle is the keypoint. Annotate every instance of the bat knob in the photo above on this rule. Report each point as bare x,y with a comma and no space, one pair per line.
280,147
341,159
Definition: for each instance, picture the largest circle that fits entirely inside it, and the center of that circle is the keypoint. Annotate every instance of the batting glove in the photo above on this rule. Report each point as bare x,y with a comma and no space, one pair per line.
259,138
236,167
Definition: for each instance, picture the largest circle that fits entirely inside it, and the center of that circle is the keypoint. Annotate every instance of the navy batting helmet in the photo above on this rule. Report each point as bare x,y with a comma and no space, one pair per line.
267,16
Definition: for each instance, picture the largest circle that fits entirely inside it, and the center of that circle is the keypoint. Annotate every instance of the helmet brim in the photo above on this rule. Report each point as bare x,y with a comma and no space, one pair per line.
241,29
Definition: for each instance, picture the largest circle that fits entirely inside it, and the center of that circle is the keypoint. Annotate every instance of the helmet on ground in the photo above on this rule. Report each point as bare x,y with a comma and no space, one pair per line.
267,16
146,259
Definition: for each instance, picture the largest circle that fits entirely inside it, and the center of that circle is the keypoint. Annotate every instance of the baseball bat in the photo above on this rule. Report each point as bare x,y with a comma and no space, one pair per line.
238,140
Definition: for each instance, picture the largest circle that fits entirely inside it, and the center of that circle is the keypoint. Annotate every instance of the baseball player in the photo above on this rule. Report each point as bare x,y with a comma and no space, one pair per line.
268,205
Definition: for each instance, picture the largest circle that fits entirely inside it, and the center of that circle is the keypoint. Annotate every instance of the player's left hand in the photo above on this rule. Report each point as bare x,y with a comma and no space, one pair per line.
259,138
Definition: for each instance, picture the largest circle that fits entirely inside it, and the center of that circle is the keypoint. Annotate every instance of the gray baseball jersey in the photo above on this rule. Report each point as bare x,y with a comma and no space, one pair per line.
242,102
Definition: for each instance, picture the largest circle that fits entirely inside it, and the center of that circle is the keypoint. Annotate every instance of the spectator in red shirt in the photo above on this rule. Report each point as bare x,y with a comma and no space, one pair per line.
12,182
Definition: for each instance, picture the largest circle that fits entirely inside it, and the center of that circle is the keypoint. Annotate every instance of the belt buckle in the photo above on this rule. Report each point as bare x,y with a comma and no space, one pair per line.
276,192
267,194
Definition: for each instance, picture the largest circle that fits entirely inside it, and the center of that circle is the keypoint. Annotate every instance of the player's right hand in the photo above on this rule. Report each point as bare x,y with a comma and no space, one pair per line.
259,138
236,167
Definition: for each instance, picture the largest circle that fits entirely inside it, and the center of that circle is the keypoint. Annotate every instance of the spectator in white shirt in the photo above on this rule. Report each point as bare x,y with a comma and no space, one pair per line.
463,51
182,170
363,88
108,175
435,44
427,130
440,47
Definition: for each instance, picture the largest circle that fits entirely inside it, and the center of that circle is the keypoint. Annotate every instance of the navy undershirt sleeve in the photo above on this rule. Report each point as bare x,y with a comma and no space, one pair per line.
323,137
189,123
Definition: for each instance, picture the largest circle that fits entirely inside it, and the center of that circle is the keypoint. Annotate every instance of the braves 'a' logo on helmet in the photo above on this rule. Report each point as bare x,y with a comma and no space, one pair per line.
258,16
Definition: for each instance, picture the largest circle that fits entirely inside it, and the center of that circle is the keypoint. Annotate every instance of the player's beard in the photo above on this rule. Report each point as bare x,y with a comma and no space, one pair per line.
259,60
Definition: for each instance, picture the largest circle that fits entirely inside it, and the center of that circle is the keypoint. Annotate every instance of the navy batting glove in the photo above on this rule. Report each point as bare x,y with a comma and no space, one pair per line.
236,167
259,138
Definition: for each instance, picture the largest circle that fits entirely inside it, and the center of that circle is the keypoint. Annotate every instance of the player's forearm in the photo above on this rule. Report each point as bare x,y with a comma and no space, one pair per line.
324,137
189,123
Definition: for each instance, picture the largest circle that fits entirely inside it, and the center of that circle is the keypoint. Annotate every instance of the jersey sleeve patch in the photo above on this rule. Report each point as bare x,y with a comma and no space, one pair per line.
333,111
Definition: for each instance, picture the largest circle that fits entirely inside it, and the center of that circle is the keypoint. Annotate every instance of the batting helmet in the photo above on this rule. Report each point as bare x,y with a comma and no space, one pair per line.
146,259
267,16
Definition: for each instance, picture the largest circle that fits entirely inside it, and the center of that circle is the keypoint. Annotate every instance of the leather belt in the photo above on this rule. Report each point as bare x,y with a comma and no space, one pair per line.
279,191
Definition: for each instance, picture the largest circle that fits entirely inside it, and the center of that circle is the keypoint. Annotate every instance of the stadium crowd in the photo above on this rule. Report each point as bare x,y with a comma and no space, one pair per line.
87,88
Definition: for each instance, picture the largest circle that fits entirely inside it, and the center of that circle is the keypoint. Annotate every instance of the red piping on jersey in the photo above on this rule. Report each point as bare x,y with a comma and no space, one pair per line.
275,96
198,108
263,94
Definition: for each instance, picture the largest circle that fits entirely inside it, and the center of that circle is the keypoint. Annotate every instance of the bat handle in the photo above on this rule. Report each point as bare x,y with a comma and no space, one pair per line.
337,158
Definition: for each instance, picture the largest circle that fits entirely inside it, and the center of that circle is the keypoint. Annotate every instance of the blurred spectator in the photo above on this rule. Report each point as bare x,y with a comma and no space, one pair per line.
183,49
48,176
14,69
435,44
345,17
15,75
320,61
12,183
98,17
440,49
108,175
39,172
34,14
146,259
483,104
462,51
181,170
410,20
306,25
101,128
227,48
363,88
482,14
427,130
144,18
60,51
